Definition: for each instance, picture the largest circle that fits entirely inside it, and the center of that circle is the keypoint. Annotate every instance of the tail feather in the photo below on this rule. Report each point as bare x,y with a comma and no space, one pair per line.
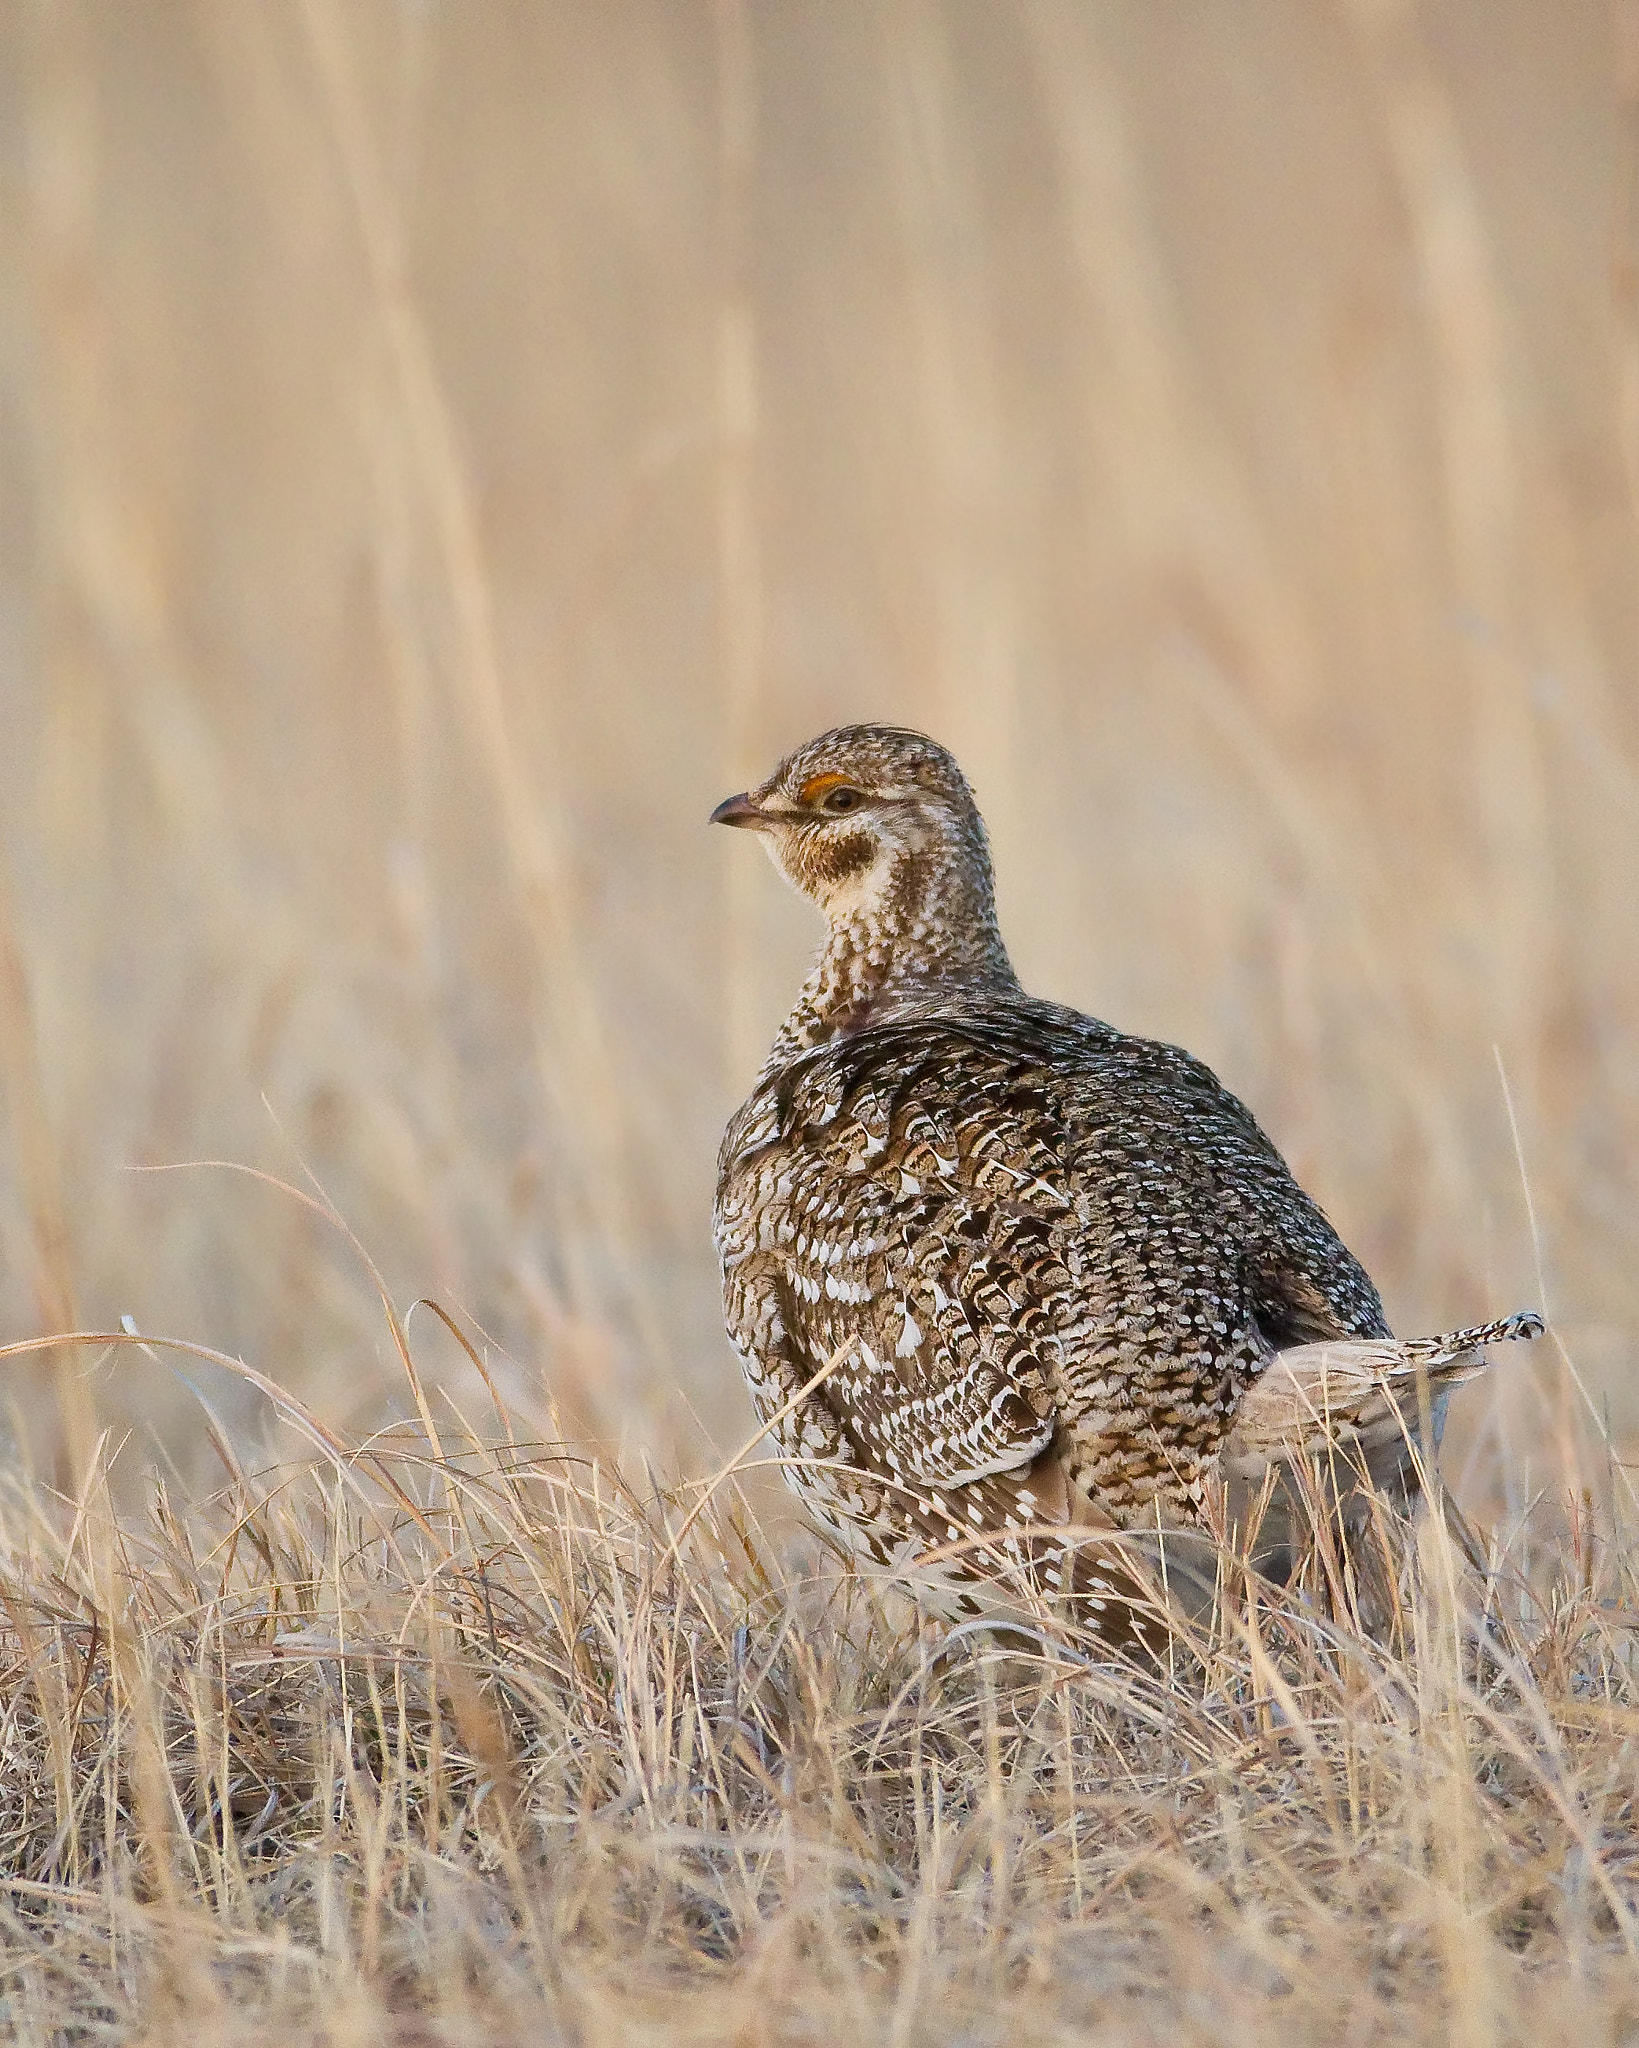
1318,1396
1433,1351
1331,1433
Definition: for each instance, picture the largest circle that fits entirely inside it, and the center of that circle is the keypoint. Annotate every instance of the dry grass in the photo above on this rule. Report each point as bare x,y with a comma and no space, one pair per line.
444,449
448,1736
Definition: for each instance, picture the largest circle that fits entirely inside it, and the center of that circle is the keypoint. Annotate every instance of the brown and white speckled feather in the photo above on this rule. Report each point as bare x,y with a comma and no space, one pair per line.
1046,1264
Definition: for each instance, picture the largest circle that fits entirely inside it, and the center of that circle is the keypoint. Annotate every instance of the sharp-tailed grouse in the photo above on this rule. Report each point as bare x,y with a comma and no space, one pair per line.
995,1269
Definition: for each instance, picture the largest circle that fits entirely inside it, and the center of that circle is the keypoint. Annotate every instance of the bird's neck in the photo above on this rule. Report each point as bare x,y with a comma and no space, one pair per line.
929,934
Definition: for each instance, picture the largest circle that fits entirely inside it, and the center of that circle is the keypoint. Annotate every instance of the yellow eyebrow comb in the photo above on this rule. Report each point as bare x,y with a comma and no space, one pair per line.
816,786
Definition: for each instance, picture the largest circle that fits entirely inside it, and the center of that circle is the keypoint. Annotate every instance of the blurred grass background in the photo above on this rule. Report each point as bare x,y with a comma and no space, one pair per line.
444,449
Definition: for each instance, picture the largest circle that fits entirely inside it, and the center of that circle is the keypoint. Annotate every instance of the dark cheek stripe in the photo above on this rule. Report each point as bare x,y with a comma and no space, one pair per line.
832,860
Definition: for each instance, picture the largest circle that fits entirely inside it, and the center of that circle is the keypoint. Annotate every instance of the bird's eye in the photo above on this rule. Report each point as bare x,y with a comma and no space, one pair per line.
840,800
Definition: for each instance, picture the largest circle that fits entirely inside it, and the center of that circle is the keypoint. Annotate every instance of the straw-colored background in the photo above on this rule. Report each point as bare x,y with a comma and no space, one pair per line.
443,449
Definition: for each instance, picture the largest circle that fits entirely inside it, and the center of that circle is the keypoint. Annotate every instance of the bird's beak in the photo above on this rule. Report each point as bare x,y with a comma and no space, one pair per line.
740,810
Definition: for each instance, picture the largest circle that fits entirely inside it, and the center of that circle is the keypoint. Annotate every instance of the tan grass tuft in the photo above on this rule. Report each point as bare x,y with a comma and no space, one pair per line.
444,1736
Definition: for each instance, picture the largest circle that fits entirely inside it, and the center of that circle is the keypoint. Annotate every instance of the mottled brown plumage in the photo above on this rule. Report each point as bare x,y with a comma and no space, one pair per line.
995,1267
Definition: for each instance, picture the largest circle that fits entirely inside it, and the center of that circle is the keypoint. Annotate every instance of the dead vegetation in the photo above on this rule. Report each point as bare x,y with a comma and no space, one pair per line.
447,1735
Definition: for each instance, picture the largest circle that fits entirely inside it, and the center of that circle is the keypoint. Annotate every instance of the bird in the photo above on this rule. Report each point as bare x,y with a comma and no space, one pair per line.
1034,1315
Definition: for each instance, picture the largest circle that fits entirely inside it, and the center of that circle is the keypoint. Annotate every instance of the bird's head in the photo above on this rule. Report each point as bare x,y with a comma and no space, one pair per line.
865,815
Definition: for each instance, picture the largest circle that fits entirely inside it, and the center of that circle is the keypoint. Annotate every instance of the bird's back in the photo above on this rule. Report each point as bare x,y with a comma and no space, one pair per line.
987,1212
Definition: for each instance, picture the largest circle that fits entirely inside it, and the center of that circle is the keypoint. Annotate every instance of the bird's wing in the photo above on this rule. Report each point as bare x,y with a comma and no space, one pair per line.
908,1257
